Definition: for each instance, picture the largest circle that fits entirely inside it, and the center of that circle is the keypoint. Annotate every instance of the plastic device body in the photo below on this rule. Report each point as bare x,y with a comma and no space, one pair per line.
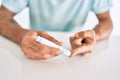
49,43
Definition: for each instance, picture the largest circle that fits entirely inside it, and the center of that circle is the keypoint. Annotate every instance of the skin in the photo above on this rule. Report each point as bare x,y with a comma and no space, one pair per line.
26,38
82,42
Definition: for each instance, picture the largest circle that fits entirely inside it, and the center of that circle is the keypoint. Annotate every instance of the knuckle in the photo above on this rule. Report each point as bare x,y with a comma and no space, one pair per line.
42,33
23,49
83,33
54,52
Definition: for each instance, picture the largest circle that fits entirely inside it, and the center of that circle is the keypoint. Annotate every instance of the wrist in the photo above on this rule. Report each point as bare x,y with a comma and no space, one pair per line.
23,32
97,36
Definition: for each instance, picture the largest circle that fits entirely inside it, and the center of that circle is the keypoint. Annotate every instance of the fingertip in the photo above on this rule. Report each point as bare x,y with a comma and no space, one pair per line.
60,43
71,56
73,53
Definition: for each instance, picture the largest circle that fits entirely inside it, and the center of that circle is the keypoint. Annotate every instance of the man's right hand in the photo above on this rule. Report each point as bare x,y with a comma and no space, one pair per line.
10,29
38,51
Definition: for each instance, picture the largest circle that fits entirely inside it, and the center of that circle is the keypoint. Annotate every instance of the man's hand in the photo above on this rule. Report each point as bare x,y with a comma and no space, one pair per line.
82,42
38,51
26,38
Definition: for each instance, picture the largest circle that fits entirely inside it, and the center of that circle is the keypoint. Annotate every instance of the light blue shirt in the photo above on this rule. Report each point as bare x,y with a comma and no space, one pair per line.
58,15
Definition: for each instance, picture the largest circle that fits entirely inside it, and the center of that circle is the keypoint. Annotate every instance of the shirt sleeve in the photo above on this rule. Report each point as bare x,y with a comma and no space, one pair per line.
15,5
101,6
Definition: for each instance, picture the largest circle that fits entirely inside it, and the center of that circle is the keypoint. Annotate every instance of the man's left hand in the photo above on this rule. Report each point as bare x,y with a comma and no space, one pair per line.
82,42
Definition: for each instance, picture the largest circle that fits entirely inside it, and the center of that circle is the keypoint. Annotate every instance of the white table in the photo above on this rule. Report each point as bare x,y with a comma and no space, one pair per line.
102,64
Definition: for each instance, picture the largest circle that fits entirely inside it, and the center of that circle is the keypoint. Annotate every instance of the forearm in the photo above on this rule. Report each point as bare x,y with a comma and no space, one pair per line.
104,28
9,28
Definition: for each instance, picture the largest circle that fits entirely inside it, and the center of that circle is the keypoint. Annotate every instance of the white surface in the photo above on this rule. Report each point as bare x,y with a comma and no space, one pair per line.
102,64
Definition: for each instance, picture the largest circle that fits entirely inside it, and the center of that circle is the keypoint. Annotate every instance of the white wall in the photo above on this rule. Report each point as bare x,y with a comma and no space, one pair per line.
0,2
115,14
23,18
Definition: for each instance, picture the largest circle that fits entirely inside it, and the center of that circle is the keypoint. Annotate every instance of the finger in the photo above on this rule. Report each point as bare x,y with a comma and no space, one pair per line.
83,54
48,50
39,54
39,49
71,38
77,42
89,37
89,41
81,50
89,34
29,51
54,52
47,36
85,34
80,34
33,54
33,42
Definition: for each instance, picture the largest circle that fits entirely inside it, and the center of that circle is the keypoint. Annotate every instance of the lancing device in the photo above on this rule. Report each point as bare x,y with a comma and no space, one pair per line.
49,43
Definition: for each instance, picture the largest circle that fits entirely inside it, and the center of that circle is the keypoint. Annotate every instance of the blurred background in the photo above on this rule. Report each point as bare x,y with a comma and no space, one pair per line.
23,18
